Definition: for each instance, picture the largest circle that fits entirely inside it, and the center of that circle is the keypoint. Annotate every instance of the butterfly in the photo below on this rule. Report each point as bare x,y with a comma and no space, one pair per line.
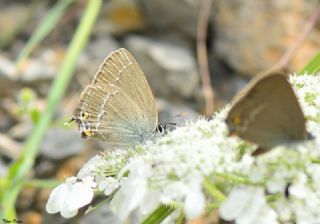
267,112
118,106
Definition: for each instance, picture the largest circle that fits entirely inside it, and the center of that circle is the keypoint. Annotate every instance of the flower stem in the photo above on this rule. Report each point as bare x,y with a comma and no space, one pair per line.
213,190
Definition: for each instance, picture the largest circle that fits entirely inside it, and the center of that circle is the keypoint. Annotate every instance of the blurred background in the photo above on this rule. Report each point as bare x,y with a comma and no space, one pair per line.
235,38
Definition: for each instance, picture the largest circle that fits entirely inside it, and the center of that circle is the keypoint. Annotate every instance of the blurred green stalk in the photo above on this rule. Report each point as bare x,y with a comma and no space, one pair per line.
313,66
159,214
19,170
48,24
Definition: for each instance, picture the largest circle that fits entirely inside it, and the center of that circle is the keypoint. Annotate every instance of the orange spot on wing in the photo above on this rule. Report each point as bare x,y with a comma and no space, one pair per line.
88,133
236,120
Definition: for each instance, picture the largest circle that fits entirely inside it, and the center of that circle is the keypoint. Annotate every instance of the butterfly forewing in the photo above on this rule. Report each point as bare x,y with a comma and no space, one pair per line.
121,69
268,113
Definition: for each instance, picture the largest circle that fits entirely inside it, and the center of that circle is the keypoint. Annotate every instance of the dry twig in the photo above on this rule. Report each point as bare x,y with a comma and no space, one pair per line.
203,57
284,61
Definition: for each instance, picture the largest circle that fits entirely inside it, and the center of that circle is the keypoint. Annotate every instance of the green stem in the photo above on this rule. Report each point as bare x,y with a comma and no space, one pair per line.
18,171
92,208
236,179
158,215
37,183
180,219
315,160
44,29
213,190
211,206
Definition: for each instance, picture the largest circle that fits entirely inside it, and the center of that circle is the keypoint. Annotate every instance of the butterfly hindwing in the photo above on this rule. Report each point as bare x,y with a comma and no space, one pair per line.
267,113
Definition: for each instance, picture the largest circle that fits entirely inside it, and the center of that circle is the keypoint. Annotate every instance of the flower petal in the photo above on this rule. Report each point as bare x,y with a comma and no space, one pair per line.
57,198
194,203
80,196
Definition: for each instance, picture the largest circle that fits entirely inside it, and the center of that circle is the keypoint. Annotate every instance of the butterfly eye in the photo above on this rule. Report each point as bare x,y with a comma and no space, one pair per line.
161,129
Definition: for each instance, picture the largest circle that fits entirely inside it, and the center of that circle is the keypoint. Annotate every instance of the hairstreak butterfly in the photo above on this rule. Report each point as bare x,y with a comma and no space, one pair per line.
118,106
267,113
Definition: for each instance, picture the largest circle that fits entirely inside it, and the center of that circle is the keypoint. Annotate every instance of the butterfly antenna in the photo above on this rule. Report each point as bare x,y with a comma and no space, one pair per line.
175,116
162,127
70,121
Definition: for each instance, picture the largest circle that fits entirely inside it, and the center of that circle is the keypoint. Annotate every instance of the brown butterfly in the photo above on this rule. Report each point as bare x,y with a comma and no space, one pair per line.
118,106
267,113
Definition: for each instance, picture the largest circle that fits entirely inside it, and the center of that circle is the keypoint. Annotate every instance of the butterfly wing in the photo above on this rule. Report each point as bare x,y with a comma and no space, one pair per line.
267,113
121,69
118,106
104,115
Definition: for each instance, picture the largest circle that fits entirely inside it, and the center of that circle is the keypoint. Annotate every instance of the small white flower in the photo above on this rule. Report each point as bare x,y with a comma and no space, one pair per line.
150,201
68,197
56,201
194,204
89,167
300,189
108,185
284,210
173,192
128,197
80,195
132,189
247,205
276,185
89,181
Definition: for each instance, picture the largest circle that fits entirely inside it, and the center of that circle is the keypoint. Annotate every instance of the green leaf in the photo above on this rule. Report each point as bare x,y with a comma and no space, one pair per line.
26,95
313,66
35,115
158,215
213,190
44,29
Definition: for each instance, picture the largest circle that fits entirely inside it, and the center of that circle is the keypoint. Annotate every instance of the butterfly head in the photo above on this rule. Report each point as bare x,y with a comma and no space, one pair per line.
83,124
161,129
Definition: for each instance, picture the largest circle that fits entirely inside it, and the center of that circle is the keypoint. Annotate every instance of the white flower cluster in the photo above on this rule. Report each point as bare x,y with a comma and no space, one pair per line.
282,186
